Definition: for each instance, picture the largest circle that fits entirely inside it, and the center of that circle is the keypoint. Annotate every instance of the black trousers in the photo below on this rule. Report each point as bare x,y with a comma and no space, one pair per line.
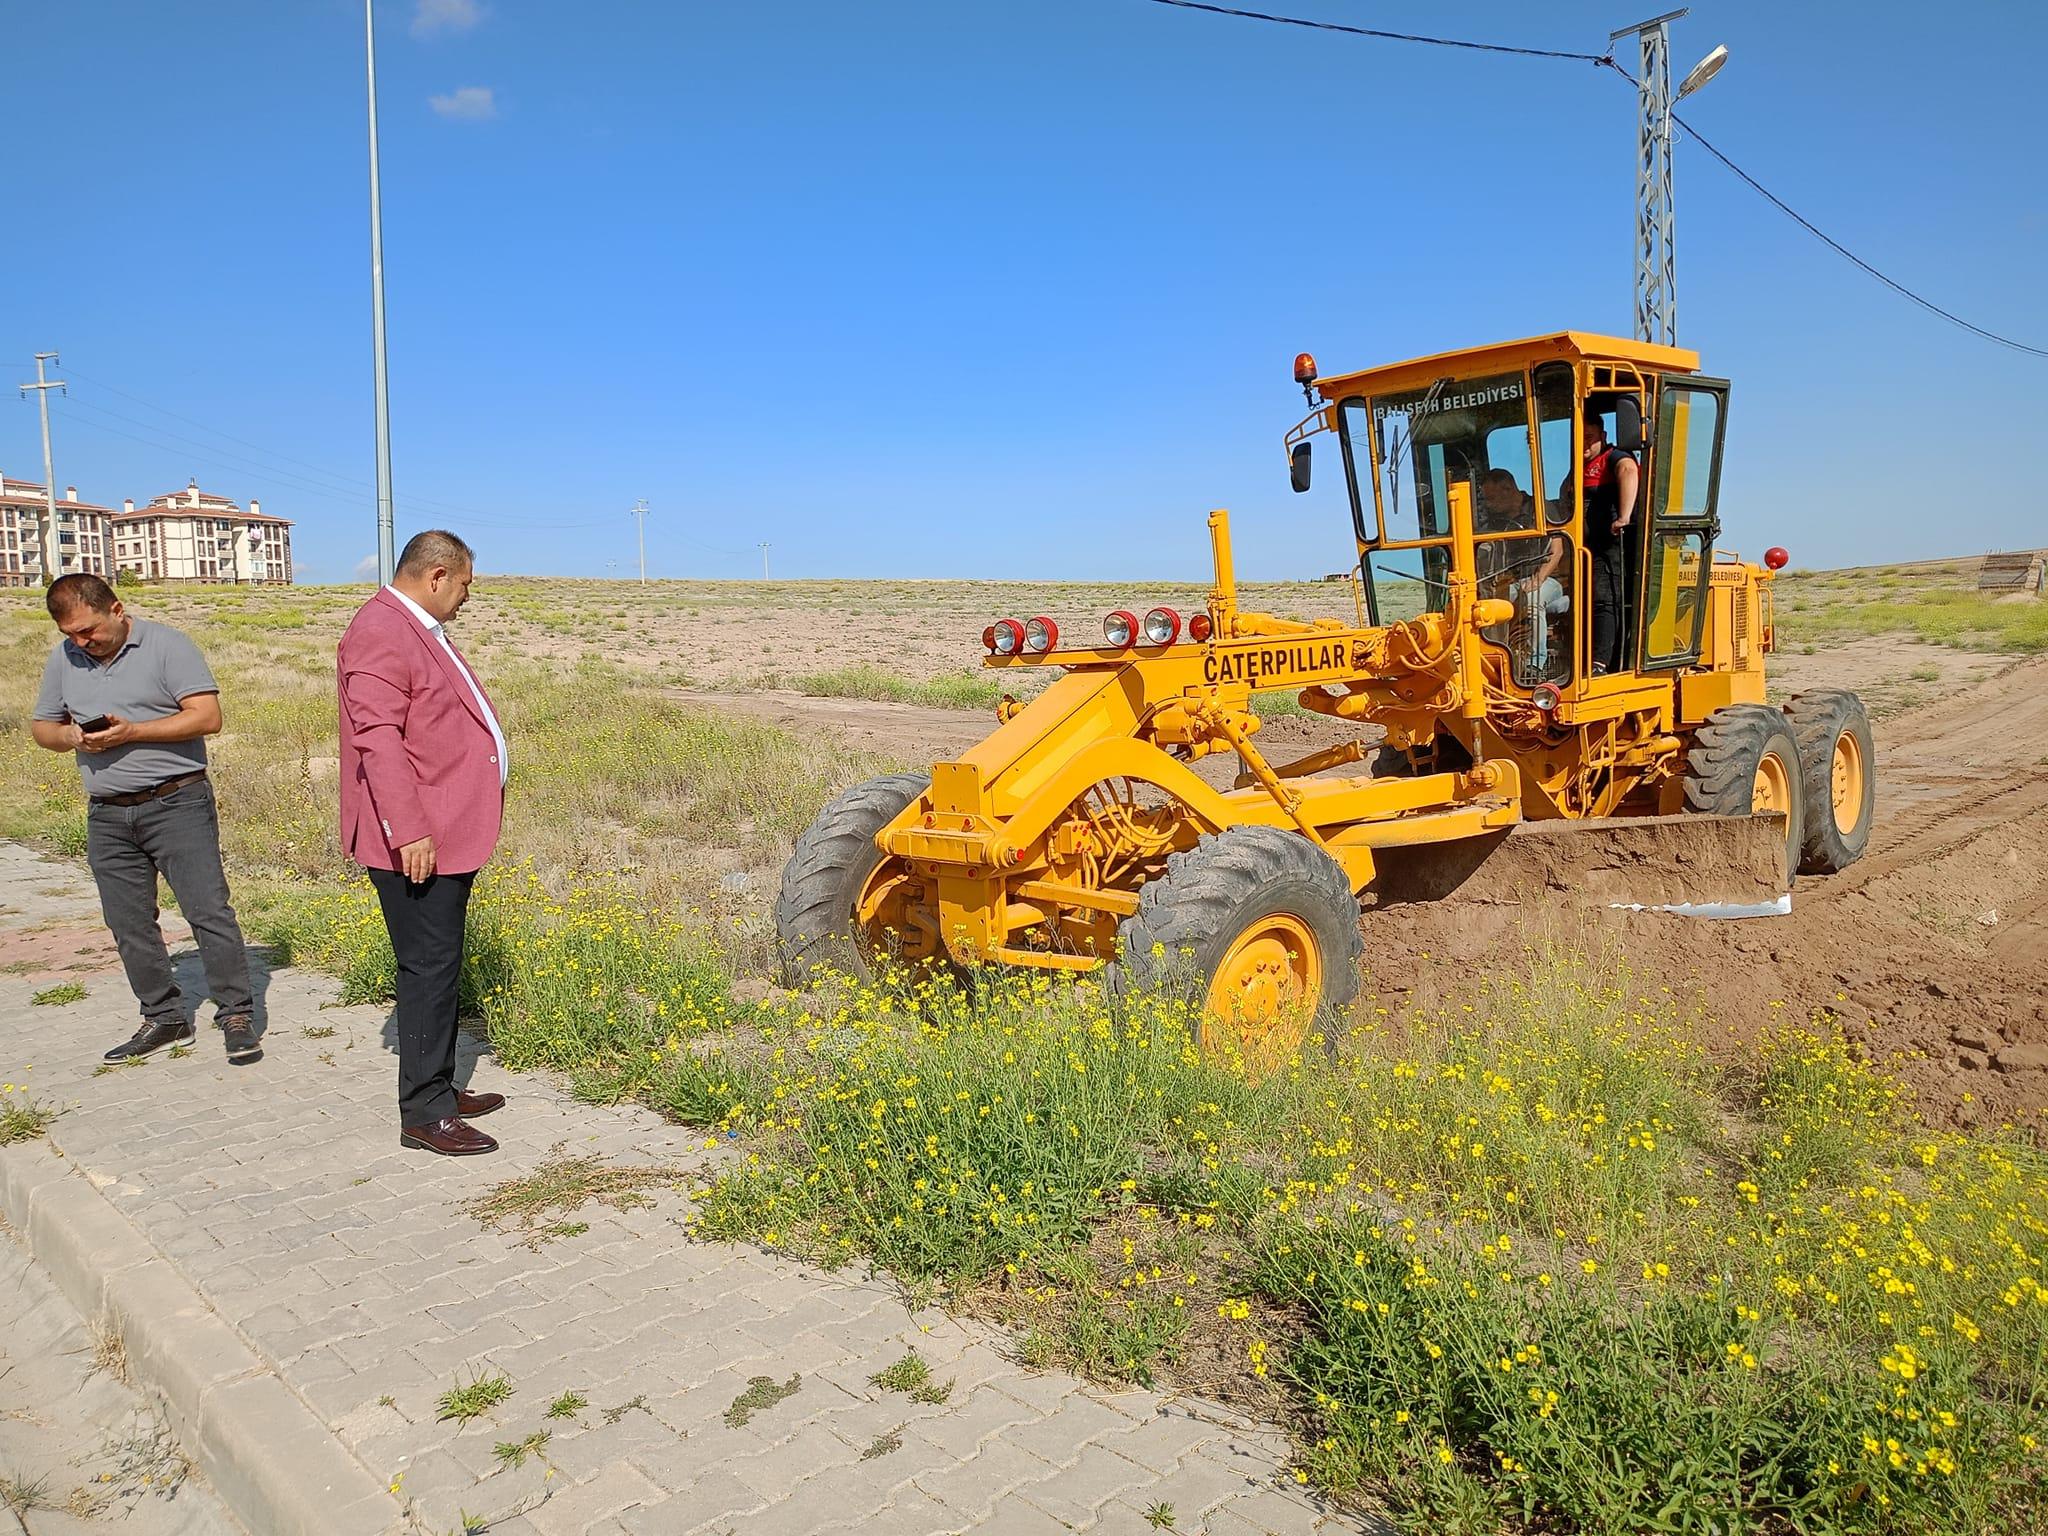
425,924
1608,585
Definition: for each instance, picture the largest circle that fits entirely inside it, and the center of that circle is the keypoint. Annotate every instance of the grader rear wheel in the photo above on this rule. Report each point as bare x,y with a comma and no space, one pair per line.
842,903
1258,924
1744,761
1838,766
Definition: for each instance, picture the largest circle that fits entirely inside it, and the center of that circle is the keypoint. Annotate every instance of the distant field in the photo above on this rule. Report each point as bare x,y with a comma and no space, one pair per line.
1938,603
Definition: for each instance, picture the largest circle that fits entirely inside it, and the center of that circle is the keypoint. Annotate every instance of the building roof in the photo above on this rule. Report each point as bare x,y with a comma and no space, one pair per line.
15,490
229,513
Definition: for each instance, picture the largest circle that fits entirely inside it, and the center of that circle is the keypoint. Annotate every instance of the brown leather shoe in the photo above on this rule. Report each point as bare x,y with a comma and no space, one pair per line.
470,1105
449,1137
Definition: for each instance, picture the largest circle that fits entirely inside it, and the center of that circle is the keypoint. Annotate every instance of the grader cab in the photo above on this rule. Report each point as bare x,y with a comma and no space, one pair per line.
1512,662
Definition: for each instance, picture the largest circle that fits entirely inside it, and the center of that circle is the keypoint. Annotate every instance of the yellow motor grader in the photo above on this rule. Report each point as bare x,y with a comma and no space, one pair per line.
1078,835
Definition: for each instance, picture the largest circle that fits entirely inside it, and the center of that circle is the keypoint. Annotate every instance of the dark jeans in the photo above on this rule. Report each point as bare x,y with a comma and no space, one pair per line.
1608,584
179,837
425,924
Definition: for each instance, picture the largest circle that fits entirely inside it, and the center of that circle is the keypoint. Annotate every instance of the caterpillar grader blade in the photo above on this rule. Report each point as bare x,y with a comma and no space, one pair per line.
1692,866
1568,676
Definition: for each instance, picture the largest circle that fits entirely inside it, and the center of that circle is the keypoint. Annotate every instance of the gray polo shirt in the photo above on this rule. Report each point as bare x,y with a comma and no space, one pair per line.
150,677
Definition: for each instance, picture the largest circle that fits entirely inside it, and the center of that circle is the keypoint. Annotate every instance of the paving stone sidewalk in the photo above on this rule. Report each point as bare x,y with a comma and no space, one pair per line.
82,1451
279,1191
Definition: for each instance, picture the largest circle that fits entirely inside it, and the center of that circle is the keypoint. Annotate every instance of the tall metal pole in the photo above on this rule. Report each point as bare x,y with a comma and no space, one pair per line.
764,561
46,544
386,558
640,515
1656,289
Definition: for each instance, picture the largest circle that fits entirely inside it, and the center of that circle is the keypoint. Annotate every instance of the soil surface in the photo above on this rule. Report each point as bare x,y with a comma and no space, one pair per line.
1932,950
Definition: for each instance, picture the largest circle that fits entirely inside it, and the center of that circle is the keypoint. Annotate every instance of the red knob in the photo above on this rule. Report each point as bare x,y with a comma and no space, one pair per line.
1777,558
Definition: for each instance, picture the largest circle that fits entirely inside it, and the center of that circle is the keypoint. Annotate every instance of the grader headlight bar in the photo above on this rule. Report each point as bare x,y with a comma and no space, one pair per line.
1121,631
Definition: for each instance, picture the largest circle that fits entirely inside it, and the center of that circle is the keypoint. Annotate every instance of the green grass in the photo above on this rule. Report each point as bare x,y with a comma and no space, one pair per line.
22,1118
963,690
1277,702
513,1453
1539,1264
1835,607
63,992
912,1376
762,1393
473,1398
567,1406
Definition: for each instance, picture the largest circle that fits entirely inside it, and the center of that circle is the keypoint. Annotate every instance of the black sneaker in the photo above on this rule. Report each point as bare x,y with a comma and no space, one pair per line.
238,1031
150,1039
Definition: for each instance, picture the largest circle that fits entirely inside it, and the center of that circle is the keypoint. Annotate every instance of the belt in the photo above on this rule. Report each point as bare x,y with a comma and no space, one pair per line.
154,792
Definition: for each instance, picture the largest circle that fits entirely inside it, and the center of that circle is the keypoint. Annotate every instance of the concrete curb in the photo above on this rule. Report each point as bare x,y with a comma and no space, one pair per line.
274,1464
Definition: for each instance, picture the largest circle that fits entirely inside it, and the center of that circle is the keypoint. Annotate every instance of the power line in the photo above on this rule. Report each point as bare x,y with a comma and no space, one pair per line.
1609,62
1848,255
1391,37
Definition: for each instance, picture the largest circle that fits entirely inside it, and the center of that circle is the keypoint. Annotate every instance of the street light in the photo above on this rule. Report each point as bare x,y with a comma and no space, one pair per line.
1656,316
1702,72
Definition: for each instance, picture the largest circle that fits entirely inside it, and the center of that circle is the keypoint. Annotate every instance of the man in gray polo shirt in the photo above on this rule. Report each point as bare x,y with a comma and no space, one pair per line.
151,702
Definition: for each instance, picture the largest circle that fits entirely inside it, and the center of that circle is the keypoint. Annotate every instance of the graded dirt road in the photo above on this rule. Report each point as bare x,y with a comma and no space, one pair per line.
1931,951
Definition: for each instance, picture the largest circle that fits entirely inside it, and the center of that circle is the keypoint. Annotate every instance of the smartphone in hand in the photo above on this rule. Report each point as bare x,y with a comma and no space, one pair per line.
95,725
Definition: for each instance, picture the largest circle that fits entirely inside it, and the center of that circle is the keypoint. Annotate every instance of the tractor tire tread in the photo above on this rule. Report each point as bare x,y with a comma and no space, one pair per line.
839,840
1721,765
1818,716
1191,903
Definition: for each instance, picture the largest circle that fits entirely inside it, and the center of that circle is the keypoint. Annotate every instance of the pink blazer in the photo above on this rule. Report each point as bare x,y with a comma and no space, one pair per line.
416,755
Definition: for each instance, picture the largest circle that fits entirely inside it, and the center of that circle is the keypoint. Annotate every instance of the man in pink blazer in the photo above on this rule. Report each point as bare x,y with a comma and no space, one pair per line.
423,769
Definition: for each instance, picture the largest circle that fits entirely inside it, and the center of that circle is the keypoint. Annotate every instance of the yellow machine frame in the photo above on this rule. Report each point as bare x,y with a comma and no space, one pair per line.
1031,847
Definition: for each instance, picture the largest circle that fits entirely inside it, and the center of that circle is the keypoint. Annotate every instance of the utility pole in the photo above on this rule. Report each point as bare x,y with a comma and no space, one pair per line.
1656,261
46,542
640,514
386,559
764,559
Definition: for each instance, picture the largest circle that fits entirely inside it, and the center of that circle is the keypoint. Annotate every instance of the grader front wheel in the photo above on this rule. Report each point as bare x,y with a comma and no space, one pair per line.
1261,927
1744,761
1838,766
842,903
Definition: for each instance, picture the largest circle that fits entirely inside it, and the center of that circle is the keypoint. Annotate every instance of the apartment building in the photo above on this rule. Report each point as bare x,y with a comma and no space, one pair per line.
194,536
81,539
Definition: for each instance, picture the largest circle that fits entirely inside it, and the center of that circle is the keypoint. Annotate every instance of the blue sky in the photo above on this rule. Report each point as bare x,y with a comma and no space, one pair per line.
966,289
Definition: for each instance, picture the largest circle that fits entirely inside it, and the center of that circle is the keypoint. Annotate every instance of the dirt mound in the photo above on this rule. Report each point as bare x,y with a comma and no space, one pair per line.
1932,951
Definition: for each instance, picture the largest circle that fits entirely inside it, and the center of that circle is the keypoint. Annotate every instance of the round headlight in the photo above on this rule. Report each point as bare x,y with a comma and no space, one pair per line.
1199,627
1009,637
1162,627
1120,628
1041,634
1545,697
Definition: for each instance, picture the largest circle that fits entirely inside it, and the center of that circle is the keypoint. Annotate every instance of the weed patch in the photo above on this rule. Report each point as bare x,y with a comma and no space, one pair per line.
564,1183
960,690
57,996
21,1117
474,1398
763,1392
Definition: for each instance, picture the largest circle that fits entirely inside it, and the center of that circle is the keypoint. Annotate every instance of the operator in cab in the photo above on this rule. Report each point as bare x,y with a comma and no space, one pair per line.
1610,478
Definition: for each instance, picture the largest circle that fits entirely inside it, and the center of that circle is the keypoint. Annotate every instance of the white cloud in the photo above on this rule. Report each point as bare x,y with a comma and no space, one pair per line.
431,16
366,568
472,103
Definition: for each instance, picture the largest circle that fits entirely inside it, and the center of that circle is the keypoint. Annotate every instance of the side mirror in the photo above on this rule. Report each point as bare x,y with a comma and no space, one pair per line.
1297,465
1628,423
